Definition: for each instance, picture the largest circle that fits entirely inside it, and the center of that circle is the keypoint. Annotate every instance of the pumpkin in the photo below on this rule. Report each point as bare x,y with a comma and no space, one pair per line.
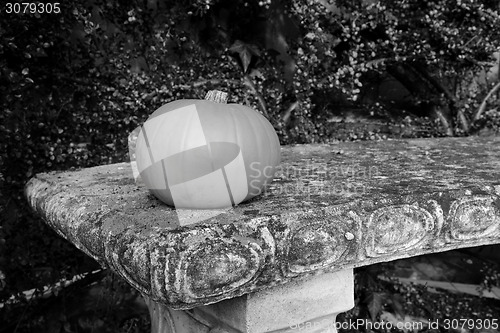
206,154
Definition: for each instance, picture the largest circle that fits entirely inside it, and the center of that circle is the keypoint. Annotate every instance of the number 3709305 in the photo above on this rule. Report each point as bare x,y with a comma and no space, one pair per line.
32,8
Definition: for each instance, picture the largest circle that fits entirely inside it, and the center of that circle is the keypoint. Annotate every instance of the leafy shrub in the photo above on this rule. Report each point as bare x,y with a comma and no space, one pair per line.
432,52
72,85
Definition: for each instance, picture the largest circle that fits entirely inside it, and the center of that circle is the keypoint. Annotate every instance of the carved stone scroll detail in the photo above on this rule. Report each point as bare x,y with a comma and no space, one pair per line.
219,267
315,246
474,217
205,263
397,228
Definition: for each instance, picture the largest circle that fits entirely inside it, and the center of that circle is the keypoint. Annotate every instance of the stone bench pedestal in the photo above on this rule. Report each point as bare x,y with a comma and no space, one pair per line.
283,261
306,306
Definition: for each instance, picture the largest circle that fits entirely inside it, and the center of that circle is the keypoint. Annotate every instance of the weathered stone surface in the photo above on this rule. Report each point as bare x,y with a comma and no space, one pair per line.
330,207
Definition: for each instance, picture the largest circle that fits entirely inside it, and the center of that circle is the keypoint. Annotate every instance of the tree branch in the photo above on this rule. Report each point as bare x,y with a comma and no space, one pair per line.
248,82
421,84
288,112
435,83
482,107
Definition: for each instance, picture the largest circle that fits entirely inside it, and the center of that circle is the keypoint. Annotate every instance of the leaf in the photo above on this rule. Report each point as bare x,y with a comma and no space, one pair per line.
245,53
374,301
397,304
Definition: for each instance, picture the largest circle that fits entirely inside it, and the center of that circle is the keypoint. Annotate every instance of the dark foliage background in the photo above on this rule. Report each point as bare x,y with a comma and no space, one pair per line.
74,84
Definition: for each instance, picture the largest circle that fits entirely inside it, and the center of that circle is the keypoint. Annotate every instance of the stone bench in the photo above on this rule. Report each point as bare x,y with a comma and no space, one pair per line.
284,261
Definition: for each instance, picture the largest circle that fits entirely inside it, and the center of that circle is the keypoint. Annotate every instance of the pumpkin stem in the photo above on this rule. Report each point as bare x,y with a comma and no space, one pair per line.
216,96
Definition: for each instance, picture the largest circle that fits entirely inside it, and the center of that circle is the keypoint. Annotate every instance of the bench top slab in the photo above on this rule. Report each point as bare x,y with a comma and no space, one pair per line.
330,207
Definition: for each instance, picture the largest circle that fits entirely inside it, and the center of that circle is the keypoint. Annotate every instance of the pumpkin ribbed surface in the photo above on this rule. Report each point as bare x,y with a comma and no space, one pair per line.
201,154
